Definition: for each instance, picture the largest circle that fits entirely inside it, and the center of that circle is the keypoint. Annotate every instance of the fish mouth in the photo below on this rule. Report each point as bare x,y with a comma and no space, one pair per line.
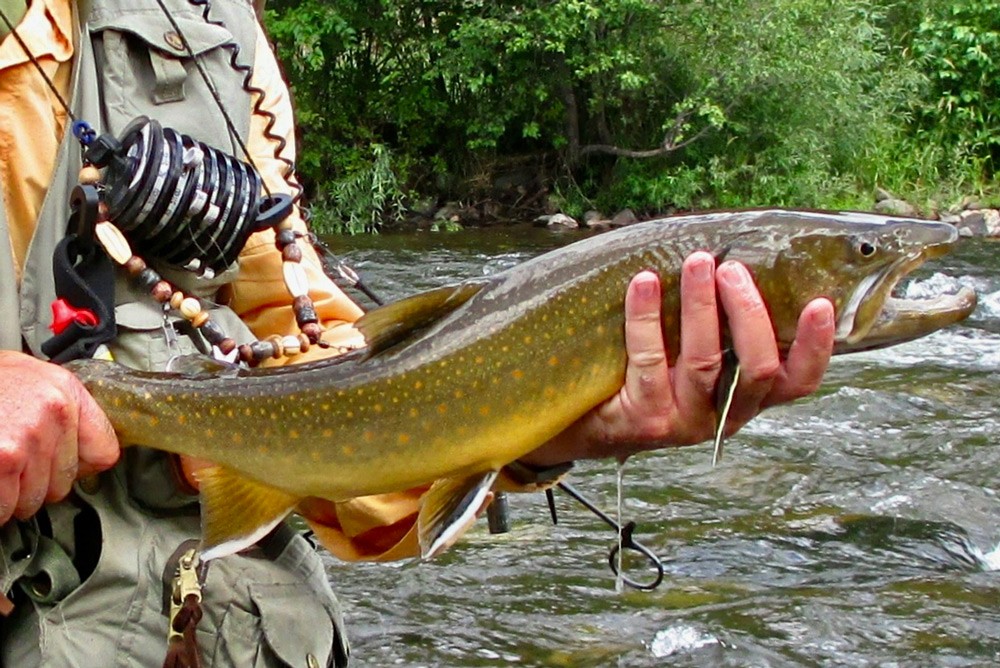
876,318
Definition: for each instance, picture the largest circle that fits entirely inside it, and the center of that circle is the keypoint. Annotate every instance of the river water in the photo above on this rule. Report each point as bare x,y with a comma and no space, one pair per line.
857,527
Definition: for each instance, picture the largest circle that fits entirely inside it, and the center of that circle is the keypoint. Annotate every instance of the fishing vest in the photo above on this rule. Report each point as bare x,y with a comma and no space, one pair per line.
131,62
272,606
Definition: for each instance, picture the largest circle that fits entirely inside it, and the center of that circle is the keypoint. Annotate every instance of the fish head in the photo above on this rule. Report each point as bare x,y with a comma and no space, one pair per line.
856,261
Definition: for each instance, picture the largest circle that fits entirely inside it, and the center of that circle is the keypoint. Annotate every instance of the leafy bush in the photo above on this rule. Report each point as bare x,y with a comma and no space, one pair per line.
652,105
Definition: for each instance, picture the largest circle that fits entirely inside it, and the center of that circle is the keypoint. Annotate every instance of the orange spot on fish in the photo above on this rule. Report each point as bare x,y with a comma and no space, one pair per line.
349,450
403,439
553,361
517,374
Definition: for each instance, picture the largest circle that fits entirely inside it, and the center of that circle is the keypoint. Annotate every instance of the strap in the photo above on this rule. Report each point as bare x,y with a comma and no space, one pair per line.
85,278
51,574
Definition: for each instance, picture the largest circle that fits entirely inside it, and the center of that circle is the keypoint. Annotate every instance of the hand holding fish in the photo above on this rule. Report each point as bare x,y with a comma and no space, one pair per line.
51,433
659,406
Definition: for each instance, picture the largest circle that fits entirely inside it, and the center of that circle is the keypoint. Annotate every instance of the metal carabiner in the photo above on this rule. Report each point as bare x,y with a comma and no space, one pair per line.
627,542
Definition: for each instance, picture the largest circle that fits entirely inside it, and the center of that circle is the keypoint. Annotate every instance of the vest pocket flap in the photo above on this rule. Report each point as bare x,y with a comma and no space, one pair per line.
295,623
153,28
142,316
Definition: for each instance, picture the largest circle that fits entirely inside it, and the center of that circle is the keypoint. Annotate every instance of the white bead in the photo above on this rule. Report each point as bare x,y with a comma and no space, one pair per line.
114,242
295,279
291,345
190,307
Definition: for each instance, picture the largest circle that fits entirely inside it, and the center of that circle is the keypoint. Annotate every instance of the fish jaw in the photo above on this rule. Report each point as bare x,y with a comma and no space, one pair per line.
902,320
874,318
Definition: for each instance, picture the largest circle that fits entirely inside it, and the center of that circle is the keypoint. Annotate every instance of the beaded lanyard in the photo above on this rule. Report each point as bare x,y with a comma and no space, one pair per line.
118,248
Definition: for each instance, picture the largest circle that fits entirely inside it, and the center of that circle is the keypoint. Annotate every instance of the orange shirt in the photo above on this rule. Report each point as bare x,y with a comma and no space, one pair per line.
32,123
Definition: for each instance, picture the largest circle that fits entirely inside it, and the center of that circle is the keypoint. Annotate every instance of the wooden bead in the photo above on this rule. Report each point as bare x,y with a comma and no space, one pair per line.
190,307
200,319
114,243
304,342
295,279
176,299
261,350
279,348
284,238
246,353
89,175
313,330
147,279
291,253
212,332
134,265
161,292
304,310
226,346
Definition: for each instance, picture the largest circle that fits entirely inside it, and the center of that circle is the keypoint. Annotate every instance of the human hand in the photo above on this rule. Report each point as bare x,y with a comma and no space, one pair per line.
52,432
660,406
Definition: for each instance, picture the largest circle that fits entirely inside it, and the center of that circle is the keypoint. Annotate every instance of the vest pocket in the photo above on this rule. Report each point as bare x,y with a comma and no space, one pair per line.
147,70
287,627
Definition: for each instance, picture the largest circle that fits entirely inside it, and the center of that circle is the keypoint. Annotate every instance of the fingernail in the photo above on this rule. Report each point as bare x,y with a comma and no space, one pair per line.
702,270
825,318
646,287
734,275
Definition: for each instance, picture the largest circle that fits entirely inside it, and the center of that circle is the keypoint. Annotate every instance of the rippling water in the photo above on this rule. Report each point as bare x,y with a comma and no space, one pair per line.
857,527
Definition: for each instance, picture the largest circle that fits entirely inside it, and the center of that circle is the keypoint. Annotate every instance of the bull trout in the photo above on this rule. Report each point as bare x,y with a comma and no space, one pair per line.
458,381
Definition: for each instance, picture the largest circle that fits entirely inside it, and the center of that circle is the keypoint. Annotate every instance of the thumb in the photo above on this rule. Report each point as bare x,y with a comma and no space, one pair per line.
97,443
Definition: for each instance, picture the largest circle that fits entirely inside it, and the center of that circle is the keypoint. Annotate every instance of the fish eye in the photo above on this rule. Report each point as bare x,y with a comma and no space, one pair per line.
866,248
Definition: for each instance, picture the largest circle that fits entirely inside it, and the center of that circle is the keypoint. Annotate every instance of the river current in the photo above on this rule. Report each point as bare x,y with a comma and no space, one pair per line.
856,527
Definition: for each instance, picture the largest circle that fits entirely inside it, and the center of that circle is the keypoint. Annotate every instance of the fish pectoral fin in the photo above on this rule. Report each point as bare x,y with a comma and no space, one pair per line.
393,323
449,508
236,511
725,390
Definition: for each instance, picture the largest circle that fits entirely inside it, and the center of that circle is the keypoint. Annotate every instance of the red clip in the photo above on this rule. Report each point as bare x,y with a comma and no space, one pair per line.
63,313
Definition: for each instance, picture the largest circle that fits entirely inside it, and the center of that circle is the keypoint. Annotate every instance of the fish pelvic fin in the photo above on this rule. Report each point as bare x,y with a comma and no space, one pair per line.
449,508
236,511
393,323
725,390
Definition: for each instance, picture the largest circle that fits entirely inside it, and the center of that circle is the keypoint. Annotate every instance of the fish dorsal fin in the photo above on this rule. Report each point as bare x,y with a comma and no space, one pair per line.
725,390
236,512
390,324
200,365
449,508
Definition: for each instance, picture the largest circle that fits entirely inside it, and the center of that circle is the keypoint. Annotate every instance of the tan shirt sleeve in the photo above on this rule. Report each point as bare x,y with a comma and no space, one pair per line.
379,527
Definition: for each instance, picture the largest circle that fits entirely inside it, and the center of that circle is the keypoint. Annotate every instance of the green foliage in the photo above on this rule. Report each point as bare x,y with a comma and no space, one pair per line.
363,200
958,48
652,105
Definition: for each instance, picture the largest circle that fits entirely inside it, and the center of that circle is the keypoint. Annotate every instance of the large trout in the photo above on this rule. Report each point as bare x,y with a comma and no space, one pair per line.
458,381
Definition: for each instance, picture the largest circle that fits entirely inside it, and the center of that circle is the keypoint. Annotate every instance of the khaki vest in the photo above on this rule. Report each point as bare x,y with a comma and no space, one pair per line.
260,610
129,62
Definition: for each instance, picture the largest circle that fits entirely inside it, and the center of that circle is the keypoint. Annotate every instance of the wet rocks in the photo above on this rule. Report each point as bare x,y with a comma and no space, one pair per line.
970,216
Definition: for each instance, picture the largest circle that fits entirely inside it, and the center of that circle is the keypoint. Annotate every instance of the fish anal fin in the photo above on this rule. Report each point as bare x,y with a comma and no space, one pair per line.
449,508
388,325
725,390
236,511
